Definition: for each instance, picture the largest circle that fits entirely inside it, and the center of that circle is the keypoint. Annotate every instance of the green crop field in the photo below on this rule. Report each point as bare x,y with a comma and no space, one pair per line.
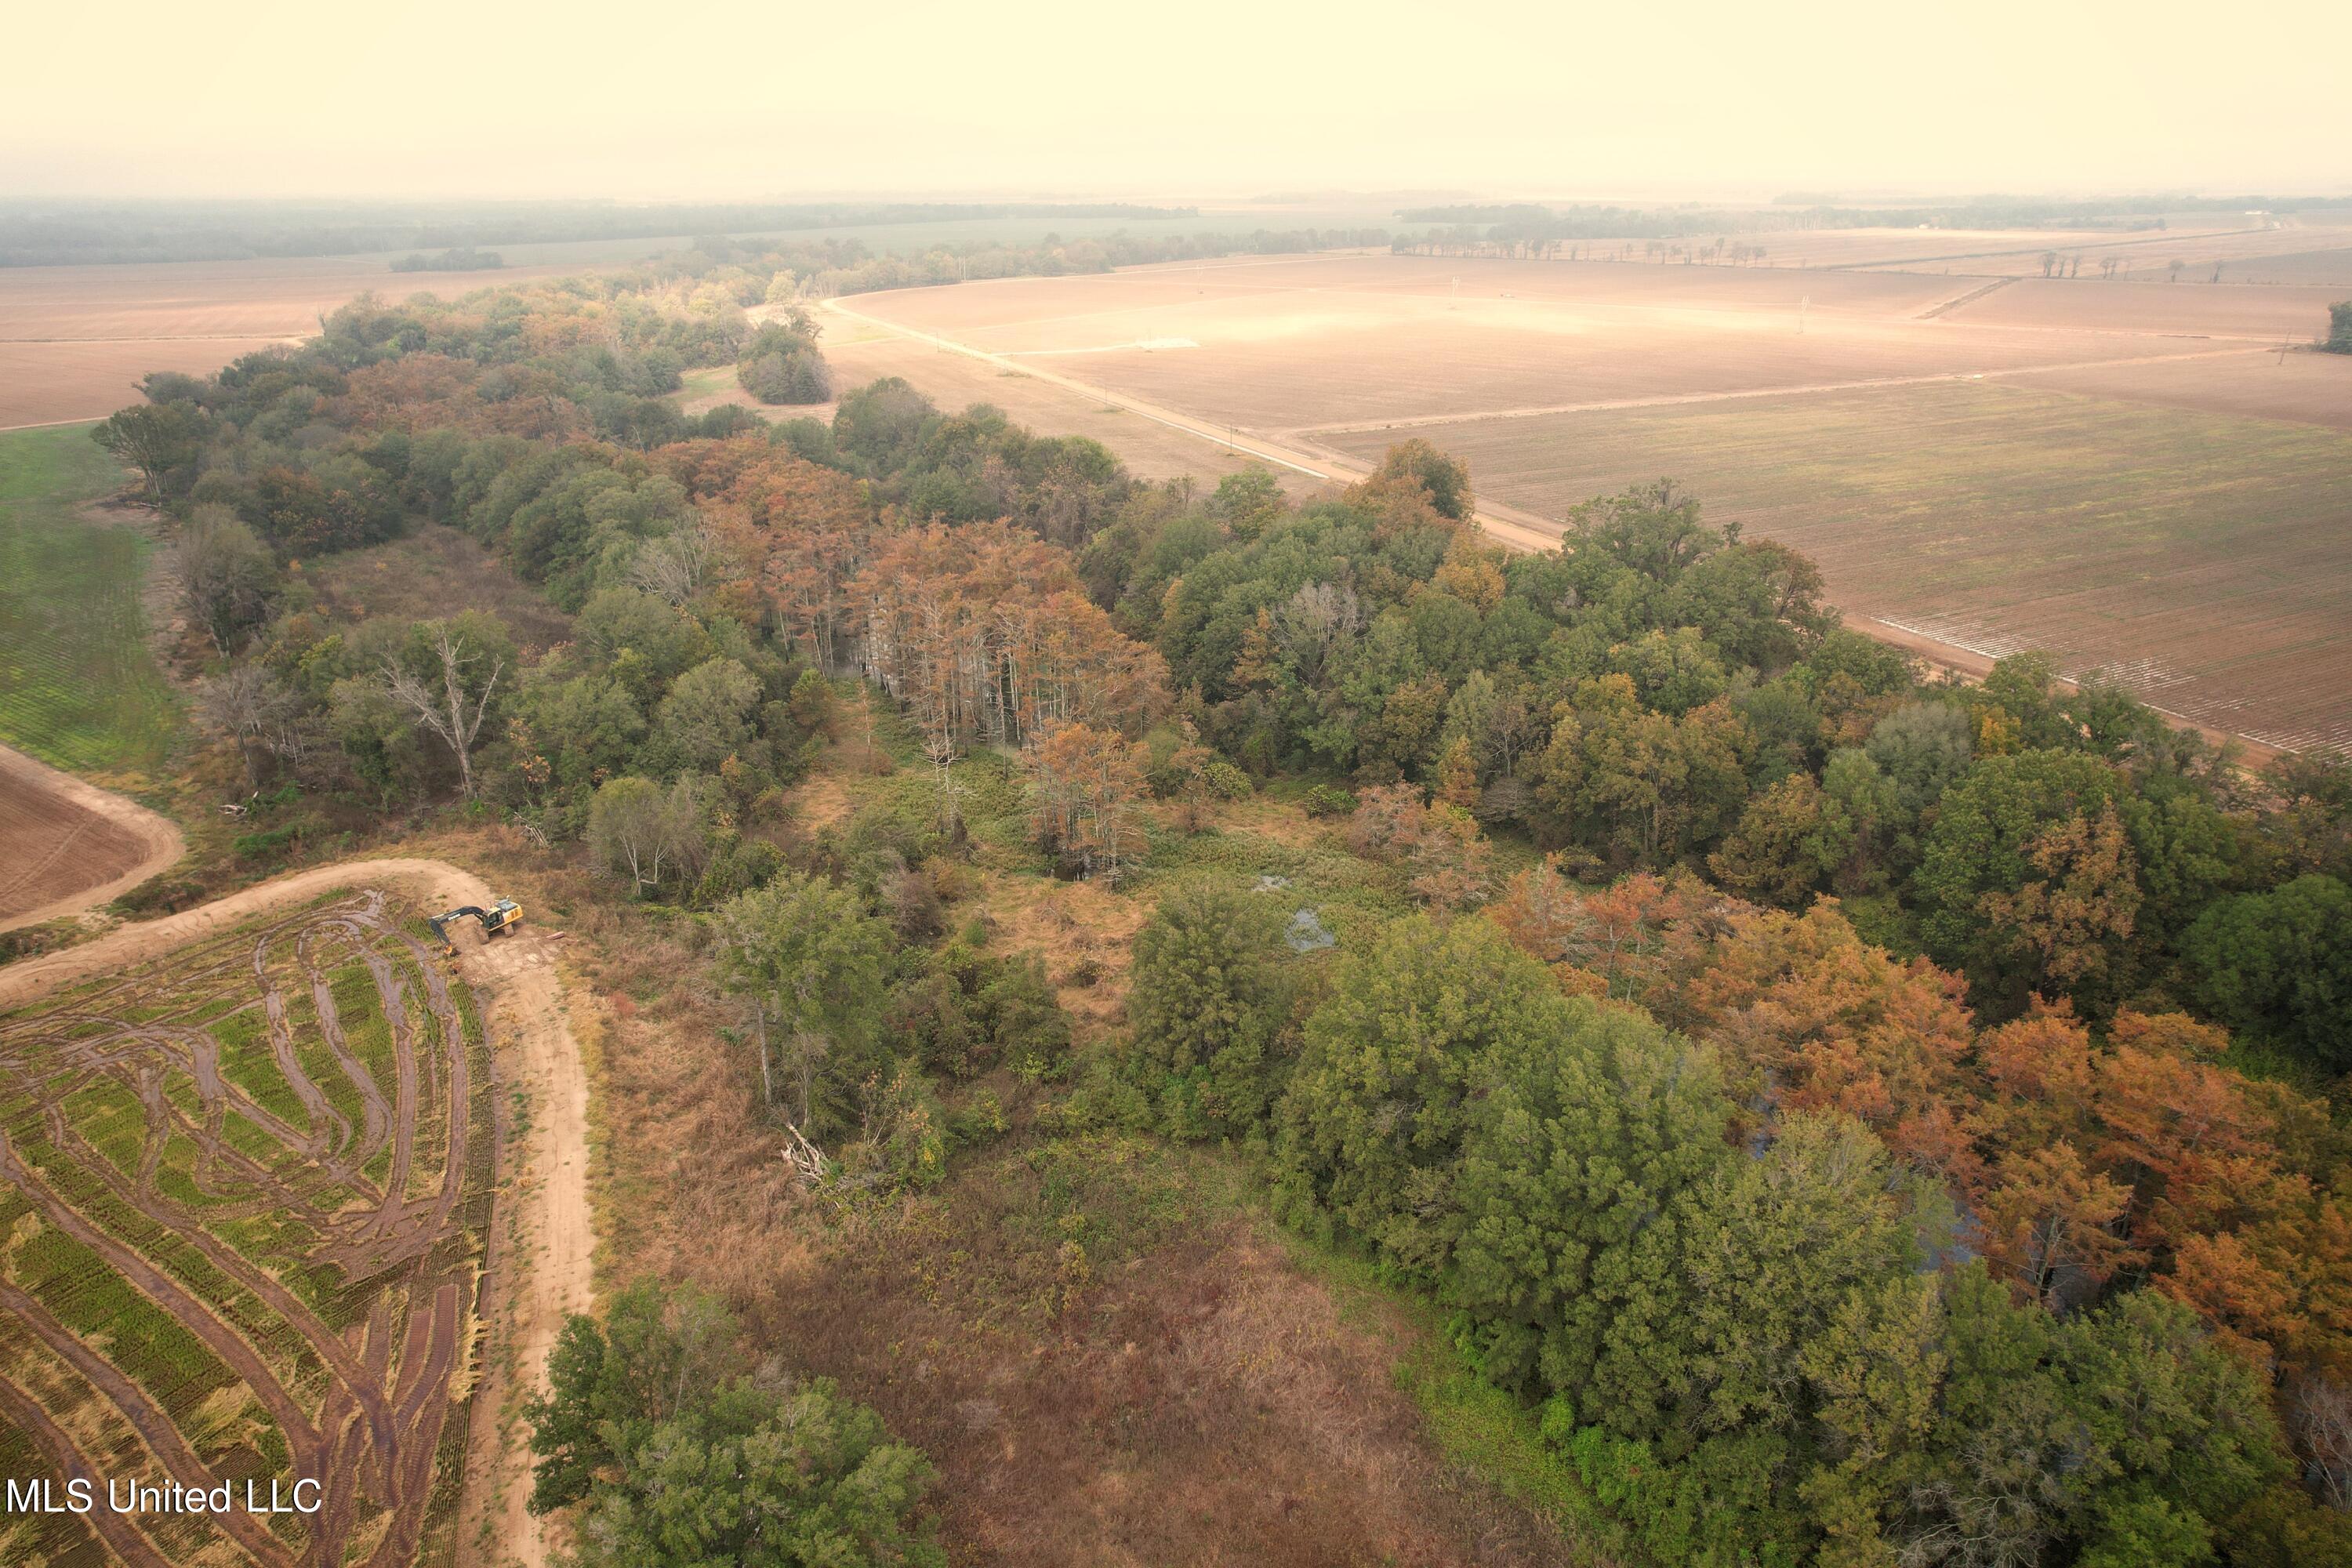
2206,557
244,1192
78,688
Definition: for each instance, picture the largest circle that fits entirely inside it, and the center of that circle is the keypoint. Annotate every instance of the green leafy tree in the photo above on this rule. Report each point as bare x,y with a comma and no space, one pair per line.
677,1455
1923,747
1787,841
1374,1116
2090,1438
1446,479
1207,1002
812,962
1647,785
587,728
706,715
2003,826
1773,1247
226,575
782,364
159,439
2279,964
1592,1122
1870,802
647,834
1875,1372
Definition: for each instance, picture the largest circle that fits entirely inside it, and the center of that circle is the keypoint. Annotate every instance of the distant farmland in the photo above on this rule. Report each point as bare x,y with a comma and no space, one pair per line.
2205,558
76,341
2123,473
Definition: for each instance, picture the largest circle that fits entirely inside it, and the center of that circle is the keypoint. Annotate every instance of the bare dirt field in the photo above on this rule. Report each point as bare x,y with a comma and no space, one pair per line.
75,340
2205,558
314,1072
266,298
2329,267
2154,305
2243,246
66,846
1988,251
1291,345
1151,451
59,382
2311,388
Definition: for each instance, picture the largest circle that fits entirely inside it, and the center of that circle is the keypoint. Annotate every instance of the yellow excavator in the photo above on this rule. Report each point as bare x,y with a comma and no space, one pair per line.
500,917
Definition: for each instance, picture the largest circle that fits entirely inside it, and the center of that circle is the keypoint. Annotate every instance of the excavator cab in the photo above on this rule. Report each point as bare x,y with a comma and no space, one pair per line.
502,916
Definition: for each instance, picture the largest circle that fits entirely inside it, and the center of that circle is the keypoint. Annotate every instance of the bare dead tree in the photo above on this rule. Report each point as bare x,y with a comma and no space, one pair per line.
444,713
248,704
2322,1420
679,564
1318,621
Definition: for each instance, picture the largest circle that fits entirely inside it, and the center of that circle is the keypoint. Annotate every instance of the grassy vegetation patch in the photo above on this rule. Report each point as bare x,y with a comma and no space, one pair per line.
78,688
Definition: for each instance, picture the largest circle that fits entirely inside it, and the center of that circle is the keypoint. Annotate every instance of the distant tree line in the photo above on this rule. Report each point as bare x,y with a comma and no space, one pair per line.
828,268
1526,220
461,258
43,234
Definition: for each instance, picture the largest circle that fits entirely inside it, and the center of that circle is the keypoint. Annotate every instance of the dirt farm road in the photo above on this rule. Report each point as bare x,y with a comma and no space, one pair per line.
1509,525
541,1242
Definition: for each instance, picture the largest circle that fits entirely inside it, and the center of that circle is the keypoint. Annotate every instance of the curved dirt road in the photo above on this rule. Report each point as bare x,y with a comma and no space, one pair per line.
540,1245
66,846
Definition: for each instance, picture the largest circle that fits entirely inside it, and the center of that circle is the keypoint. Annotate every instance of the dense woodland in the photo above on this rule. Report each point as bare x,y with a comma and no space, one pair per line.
1870,1117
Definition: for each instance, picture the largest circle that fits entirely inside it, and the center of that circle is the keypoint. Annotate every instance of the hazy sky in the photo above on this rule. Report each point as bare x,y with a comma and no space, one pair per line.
758,98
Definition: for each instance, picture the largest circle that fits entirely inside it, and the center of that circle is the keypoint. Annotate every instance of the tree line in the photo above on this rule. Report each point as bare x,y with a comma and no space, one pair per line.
39,234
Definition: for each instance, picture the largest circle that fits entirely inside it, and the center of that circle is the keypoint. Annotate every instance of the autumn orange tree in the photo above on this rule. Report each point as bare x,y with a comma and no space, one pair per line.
1086,785
988,625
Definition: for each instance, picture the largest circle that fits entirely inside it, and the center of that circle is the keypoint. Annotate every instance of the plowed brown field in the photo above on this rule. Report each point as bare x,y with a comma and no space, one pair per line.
65,846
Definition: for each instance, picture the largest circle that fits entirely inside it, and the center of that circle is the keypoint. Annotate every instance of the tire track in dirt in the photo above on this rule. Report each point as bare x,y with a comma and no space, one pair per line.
154,1427
539,1251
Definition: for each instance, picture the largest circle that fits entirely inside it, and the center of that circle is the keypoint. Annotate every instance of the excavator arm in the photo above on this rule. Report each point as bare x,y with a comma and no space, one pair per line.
499,917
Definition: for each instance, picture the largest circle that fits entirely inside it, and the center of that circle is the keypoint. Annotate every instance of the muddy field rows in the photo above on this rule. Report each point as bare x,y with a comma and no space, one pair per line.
244,1191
